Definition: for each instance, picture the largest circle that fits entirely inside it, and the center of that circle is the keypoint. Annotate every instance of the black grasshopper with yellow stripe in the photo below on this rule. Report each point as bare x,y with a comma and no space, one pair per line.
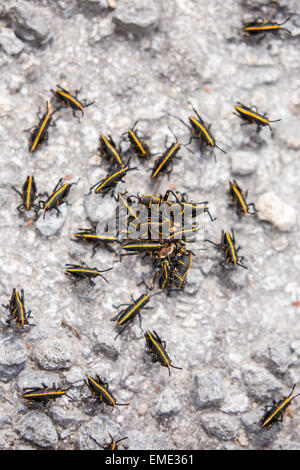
164,163
44,394
28,195
140,148
110,182
58,197
112,445
250,115
128,314
70,100
82,271
183,264
40,131
239,199
141,246
183,205
259,27
229,248
17,310
274,413
99,389
164,274
201,132
126,209
157,348
90,236
108,149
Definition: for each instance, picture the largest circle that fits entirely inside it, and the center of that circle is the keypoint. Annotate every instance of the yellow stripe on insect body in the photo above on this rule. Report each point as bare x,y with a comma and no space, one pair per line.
104,391
158,347
279,408
138,143
240,197
202,128
71,98
40,131
109,178
252,114
28,192
21,308
169,154
56,194
82,270
134,308
231,246
113,150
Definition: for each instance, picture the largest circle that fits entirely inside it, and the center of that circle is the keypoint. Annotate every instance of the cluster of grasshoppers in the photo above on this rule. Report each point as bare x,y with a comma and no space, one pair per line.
157,228
156,233
29,195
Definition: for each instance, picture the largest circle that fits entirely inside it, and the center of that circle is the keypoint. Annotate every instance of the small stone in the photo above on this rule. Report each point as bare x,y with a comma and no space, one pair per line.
260,383
35,378
93,6
207,389
104,344
9,42
271,209
54,353
13,357
153,441
75,376
168,403
221,427
235,403
52,222
243,162
279,244
66,418
30,23
100,209
5,418
136,16
288,134
37,428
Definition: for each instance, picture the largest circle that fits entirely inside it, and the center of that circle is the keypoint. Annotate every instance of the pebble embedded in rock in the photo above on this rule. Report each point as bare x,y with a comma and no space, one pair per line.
9,42
168,403
243,162
208,389
54,353
260,383
100,209
36,427
30,23
52,222
136,16
13,356
220,426
272,209
104,345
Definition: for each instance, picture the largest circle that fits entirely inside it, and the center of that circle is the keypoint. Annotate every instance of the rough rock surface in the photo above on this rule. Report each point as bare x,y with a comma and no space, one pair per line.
234,332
